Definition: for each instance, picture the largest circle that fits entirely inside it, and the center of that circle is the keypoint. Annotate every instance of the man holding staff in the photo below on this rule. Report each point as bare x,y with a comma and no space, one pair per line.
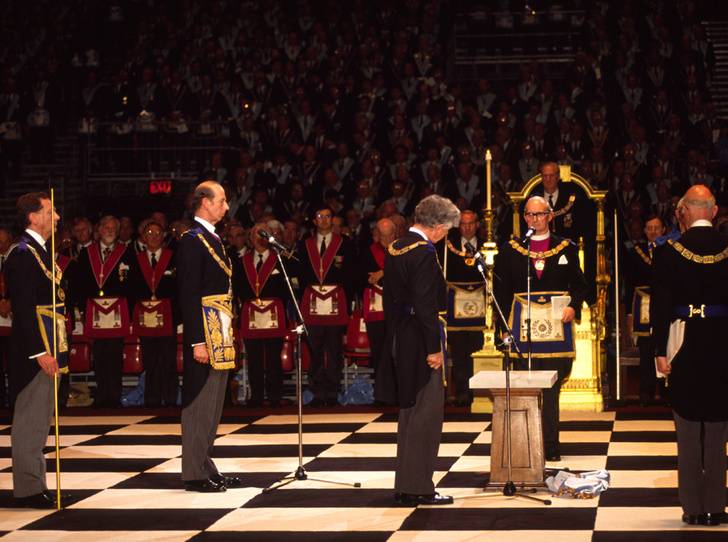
30,271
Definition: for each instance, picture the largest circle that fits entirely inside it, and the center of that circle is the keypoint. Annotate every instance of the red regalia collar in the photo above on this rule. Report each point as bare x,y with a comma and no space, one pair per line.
377,251
63,262
321,265
154,276
257,279
102,270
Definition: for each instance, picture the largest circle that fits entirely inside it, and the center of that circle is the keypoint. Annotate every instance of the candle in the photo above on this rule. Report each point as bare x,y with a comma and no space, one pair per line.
488,158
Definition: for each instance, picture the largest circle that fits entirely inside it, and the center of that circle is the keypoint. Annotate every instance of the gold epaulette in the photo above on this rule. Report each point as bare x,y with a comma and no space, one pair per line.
404,250
641,254
566,208
540,255
697,258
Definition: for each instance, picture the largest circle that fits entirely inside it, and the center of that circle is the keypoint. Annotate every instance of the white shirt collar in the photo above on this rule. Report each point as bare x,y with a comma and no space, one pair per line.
256,254
37,237
320,236
205,224
473,241
698,222
554,195
157,253
419,232
540,237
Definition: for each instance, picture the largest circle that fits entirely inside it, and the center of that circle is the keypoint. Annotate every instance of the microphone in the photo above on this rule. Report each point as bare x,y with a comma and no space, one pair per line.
528,235
272,241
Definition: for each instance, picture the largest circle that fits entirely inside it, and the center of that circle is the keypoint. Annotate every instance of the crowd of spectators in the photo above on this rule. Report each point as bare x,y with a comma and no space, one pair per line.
296,105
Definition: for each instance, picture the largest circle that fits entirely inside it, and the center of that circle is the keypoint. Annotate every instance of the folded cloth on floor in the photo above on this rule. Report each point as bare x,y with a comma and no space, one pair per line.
585,485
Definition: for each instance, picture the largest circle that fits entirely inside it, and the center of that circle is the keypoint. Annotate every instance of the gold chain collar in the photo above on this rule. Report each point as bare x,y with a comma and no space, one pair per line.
222,264
697,258
539,255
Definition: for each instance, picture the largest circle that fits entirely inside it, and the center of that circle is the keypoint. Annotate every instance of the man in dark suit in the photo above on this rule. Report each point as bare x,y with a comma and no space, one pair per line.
372,280
325,279
638,277
411,368
554,268
262,292
205,299
689,292
153,284
33,367
101,288
466,303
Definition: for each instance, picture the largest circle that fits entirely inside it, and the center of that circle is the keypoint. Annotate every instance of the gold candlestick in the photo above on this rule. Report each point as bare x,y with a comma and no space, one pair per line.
488,159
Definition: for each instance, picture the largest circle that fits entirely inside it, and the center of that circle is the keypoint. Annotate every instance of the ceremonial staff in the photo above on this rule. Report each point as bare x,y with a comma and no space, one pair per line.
55,348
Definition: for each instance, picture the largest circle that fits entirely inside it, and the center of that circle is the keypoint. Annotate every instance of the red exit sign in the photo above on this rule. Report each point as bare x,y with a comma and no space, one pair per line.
160,186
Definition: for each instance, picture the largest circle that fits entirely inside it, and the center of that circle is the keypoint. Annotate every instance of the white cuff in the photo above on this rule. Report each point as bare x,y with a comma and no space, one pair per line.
37,355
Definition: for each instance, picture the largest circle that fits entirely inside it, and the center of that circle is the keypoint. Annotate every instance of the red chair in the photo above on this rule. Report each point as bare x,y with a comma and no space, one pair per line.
357,351
79,358
288,360
132,356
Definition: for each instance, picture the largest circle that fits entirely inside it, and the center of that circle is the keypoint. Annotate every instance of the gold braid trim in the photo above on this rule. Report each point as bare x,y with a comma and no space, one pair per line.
697,258
539,255
641,254
469,260
566,208
59,274
399,251
223,265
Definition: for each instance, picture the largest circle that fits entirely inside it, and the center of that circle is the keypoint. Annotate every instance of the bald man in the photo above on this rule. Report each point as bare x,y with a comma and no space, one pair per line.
204,274
554,267
385,232
689,288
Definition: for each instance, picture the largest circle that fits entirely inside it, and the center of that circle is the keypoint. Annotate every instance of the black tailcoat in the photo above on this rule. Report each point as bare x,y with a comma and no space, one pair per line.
414,295
198,275
699,376
29,287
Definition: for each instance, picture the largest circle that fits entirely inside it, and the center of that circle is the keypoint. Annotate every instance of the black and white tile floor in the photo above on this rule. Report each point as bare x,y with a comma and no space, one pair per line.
122,472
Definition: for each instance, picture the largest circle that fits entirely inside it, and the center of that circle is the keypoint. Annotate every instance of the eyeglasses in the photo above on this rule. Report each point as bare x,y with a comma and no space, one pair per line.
541,214
323,215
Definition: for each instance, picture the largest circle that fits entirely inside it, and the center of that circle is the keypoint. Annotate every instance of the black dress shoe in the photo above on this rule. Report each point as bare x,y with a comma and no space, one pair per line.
204,486
43,500
711,519
415,500
227,481
693,519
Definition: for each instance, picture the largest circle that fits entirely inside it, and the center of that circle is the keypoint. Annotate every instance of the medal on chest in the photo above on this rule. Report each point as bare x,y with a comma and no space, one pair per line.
539,264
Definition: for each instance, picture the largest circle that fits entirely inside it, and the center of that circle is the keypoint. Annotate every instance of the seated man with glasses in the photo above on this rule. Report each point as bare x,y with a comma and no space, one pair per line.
555,272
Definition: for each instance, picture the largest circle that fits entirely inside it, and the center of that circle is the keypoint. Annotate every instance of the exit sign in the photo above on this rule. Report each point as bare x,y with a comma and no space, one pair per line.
160,186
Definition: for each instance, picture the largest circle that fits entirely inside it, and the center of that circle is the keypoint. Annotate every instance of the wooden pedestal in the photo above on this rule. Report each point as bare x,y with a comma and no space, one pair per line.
527,456
527,459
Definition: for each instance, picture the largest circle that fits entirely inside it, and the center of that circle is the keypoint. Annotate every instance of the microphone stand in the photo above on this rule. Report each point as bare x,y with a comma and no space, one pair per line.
299,330
528,302
509,488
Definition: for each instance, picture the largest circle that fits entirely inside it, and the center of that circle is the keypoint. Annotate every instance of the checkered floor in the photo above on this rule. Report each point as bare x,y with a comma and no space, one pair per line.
123,474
